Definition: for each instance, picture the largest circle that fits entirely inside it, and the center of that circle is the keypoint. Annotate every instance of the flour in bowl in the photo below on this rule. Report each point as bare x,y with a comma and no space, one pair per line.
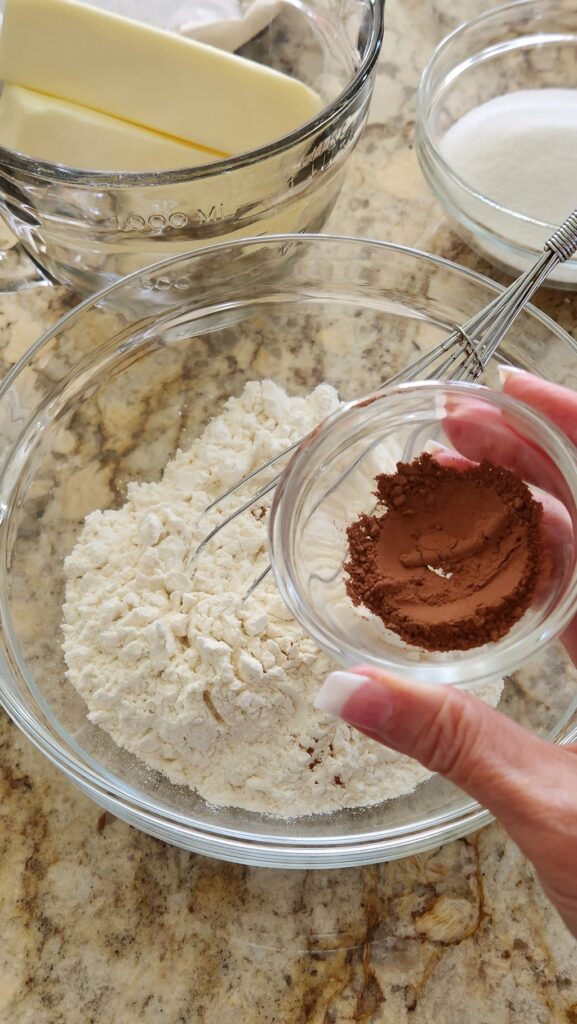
214,691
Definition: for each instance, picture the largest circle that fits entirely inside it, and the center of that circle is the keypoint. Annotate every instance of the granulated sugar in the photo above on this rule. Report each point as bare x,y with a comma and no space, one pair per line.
518,150
215,692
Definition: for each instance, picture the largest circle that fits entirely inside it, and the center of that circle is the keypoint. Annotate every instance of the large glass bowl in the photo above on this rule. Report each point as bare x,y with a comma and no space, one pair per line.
107,397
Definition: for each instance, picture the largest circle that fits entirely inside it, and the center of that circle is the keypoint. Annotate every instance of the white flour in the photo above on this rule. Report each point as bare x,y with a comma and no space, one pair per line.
216,693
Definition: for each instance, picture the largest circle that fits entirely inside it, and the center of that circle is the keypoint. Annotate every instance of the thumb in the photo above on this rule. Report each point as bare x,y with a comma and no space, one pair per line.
510,771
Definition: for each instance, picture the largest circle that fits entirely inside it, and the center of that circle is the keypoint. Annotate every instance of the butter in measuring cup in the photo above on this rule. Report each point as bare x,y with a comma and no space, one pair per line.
119,82
62,132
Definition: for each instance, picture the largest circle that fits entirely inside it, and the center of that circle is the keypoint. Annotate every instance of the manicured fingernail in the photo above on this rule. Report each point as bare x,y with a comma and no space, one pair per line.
441,405
356,699
506,372
434,448
336,691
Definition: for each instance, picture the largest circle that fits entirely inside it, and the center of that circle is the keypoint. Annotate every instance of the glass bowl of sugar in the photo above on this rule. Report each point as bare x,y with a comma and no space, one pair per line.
430,530
497,130
144,672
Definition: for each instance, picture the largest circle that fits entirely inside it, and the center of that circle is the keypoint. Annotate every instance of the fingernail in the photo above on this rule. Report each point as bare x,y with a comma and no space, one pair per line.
440,405
434,448
355,699
506,372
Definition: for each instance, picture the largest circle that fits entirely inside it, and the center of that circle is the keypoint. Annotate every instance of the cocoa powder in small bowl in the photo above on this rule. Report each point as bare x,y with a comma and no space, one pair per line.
451,558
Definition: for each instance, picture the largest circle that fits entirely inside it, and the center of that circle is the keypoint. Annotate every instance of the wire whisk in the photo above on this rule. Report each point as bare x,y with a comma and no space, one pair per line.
462,356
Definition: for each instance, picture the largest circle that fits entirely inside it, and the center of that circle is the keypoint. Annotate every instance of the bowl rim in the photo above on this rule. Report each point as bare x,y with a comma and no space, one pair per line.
96,180
426,100
260,241
477,666
111,792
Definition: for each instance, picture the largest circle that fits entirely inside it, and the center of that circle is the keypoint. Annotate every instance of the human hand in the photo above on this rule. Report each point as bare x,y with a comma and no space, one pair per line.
528,784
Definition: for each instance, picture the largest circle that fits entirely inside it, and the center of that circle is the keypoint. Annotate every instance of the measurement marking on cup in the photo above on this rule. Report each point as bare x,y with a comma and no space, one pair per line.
165,283
157,222
324,152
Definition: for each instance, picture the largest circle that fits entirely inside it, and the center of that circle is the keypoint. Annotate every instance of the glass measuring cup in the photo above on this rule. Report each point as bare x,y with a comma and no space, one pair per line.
87,229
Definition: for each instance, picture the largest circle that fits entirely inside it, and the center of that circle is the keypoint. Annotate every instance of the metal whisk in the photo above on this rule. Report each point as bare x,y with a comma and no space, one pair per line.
463,355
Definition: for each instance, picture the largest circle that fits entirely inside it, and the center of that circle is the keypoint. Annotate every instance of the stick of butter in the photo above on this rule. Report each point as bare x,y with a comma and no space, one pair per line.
150,77
64,133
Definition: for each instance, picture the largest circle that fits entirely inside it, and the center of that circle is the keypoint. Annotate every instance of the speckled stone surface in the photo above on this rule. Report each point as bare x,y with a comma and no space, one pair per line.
104,925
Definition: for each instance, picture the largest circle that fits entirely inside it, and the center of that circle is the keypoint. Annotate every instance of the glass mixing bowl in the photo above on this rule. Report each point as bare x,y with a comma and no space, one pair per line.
527,44
106,397
87,229
331,482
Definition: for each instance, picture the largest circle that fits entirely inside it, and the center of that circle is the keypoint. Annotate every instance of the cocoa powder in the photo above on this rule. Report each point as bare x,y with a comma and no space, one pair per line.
451,558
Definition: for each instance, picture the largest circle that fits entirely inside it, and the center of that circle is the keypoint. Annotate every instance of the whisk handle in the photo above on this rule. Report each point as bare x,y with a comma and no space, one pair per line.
491,325
563,241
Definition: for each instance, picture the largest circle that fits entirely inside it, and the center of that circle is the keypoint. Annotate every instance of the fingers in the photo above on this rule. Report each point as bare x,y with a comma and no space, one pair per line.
557,403
482,433
478,433
557,524
557,531
450,731
530,785
514,774
443,727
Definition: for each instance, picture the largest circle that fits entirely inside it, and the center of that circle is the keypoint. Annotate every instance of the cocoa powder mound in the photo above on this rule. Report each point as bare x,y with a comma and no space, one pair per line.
451,558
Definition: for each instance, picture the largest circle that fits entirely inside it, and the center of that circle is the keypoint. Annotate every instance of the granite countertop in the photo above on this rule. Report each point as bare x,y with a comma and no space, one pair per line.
105,925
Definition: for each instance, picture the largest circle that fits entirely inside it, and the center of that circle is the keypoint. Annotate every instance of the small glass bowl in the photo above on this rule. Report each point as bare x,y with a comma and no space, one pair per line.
331,481
527,44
